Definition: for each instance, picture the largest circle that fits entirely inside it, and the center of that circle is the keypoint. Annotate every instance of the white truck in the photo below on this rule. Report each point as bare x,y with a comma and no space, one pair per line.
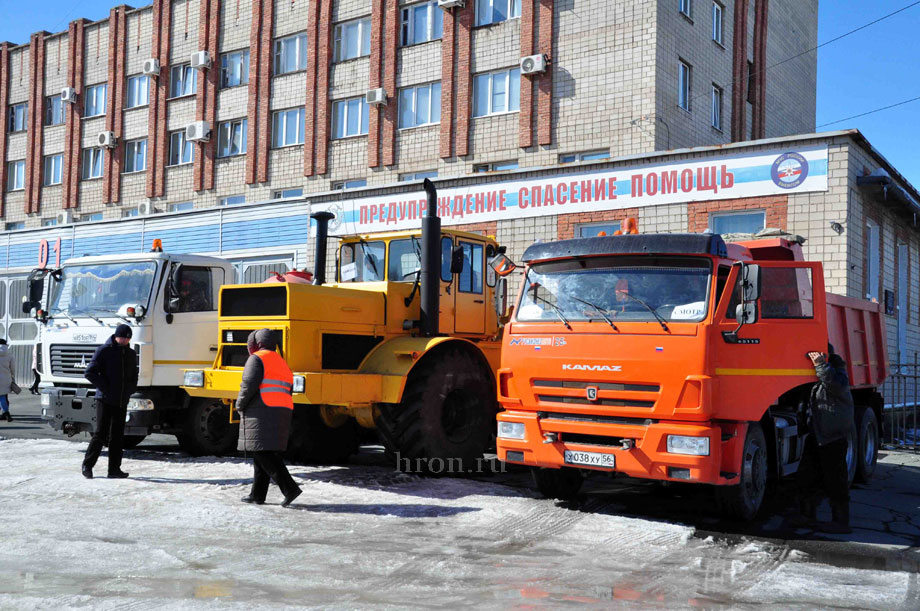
170,301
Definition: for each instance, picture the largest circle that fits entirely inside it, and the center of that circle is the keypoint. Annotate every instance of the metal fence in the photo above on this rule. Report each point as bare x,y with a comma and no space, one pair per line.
902,394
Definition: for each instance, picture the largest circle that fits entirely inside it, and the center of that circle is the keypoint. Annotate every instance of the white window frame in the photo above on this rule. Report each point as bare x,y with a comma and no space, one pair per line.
362,119
685,8
413,176
610,227
287,193
186,147
684,84
234,68
281,120
340,44
485,11
496,166
93,169
16,175
138,91
354,183
512,78
434,105
54,109
283,51
54,170
94,107
49,222
718,22
15,226
89,218
584,156
181,206
715,113
714,216
434,24
226,131
187,81
19,117
127,213
135,156
873,260
226,201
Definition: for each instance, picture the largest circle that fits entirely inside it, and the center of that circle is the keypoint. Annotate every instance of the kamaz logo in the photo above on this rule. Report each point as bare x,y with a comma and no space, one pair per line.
568,367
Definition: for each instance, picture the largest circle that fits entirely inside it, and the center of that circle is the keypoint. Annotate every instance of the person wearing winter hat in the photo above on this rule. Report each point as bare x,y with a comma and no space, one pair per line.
113,371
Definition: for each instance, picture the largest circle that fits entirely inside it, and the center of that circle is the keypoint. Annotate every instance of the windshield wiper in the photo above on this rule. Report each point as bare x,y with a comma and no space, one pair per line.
557,310
66,315
99,320
600,311
116,314
368,258
657,316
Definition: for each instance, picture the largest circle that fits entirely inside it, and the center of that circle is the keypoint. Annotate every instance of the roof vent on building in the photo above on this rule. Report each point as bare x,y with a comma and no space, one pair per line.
69,95
64,217
198,131
533,64
376,96
201,59
451,3
151,67
106,140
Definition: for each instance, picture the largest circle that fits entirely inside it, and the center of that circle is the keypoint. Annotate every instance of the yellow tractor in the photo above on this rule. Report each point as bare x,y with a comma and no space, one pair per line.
406,340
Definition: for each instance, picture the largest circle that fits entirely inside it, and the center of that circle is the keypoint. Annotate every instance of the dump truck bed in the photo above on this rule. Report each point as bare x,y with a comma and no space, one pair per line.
857,330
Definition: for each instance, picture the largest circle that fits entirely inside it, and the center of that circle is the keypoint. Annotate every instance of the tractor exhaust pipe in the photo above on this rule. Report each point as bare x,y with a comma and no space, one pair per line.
322,236
430,276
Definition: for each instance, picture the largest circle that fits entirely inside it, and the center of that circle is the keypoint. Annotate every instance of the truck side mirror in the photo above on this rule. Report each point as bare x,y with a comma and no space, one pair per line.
746,313
750,279
456,260
502,264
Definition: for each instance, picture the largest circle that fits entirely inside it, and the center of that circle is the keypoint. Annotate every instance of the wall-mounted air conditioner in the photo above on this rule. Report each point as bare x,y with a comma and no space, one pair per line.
376,96
198,131
146,208
106,140
69,95
64,217
151,67
533,64
201,59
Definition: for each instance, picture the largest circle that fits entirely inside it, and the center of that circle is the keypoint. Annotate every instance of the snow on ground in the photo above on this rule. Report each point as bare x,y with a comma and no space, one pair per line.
175,535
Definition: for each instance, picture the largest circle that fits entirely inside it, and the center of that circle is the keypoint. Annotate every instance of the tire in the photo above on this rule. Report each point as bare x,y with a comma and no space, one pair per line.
867,454
744,500
852,453
447,412
207,430
313,441
132,441
561,484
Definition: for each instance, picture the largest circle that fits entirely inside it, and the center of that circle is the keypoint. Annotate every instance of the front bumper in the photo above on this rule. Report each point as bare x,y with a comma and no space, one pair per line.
74,410
646,457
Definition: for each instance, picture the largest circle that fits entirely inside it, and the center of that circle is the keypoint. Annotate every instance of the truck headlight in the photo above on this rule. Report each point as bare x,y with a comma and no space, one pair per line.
692,446
511,430
139,404
300,383
46,399
194,379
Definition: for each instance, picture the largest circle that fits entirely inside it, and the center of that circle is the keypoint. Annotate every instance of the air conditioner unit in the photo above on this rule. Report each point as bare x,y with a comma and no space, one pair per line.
451,3
151,67
199,131
69,94
106,140
64,217
533,64
376,96
146,208
201,59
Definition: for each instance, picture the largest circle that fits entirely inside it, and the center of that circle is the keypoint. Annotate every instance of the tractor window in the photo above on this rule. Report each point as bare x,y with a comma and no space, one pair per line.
470,280
446,246
362,262
405,260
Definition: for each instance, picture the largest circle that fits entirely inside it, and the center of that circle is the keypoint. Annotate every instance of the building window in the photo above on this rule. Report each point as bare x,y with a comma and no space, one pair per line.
593,230
684,75
234,69
95,100
287,127
341,185
183,80
421,23
138,91
290,54
495,166
54,110
92,163
49,222
716,117
19,117
873,247
686,8
135,156
586,156
497,92
53,169
16,175
181,207
231,200
413,176
286,193
129,212
420,105
181,151
352,39
349,118
747,221
88,218
231,138
16,225
717,12
493,11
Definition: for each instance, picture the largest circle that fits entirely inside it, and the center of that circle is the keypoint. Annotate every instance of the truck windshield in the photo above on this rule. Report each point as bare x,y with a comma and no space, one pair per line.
622,288
103,288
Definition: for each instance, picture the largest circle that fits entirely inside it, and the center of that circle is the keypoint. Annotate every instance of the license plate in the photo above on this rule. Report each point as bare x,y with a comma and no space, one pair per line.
591,459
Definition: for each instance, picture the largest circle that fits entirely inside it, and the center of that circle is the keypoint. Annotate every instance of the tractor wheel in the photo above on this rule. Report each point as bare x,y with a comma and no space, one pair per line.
447,415
132,441
743,500
867,448
207,430
314,441
562,484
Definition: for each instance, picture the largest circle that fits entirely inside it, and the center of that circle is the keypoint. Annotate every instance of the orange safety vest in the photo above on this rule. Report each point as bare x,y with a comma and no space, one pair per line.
277,380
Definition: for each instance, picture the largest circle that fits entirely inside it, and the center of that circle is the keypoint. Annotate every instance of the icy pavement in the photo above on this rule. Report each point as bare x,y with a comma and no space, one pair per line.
176,536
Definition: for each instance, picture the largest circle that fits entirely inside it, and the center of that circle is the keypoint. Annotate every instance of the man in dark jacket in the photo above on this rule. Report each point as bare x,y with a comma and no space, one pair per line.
266,407
824,462
113,371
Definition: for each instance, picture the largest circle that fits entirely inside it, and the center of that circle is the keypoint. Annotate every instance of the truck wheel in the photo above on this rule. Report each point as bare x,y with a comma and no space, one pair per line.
562,484
207,430
447,413
132,441
867,454
742,501
314,441
852,456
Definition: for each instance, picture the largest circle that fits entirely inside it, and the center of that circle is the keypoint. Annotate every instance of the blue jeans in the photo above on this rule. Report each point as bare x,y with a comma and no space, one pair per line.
4,404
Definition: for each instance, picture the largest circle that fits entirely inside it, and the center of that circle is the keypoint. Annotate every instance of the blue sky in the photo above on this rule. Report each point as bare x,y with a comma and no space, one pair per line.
867,70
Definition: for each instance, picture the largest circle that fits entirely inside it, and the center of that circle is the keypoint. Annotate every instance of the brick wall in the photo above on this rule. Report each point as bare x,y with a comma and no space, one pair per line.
566,223
4,103
33,177
774,207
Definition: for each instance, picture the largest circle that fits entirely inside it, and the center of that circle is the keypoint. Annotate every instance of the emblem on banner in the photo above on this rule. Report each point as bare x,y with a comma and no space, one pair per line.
789,170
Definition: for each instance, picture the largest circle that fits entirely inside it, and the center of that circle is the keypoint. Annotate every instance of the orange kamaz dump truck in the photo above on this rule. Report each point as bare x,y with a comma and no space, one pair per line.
678,357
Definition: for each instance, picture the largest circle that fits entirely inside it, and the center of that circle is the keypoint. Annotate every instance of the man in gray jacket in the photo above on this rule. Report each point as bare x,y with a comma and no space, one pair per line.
266,407
7,383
